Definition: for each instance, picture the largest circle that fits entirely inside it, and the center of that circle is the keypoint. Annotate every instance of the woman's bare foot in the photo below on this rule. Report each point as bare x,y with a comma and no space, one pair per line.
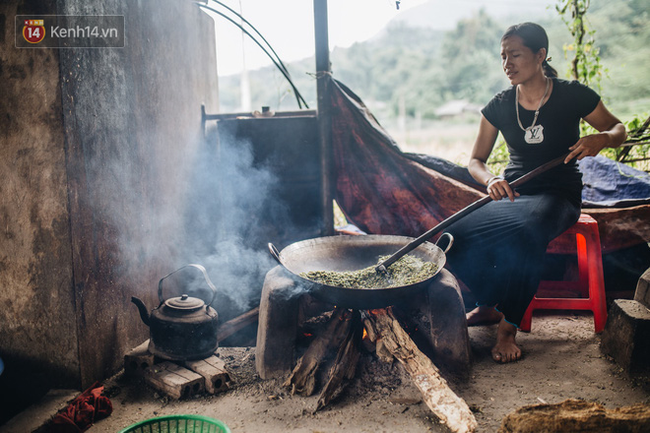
483,315
506,349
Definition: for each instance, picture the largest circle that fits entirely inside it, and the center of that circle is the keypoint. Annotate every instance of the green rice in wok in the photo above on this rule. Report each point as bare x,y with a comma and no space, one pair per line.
404,272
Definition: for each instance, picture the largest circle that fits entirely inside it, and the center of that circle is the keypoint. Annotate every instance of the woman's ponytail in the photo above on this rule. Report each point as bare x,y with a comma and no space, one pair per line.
549,70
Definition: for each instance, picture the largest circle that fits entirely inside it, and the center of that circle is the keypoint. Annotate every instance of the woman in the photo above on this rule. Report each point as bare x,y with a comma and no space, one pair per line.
499,249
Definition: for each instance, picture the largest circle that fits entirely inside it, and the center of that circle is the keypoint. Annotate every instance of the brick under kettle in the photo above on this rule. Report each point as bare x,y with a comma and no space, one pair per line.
179,357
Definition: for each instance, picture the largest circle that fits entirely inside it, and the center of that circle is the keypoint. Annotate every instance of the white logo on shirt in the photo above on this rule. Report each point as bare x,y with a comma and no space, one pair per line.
534,135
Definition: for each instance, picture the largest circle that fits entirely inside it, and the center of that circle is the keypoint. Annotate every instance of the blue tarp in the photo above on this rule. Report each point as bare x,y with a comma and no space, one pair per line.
607,183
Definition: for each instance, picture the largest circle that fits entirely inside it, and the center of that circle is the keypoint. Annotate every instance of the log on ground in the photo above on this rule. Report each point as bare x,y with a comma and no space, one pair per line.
238,323
443,402
577,416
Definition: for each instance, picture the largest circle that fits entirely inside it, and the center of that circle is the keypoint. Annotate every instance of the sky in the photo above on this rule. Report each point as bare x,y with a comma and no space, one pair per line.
288,25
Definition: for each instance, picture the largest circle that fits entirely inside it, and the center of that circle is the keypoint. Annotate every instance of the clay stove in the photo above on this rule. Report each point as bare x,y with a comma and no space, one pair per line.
441,303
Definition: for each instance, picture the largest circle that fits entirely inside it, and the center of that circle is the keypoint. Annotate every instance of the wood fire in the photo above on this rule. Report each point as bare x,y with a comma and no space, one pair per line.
344,332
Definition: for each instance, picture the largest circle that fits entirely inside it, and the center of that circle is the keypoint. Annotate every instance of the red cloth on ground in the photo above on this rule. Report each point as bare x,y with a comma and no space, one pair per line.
90,406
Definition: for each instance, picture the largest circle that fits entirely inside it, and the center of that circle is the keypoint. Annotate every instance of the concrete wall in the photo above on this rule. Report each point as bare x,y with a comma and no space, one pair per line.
96,146
37,320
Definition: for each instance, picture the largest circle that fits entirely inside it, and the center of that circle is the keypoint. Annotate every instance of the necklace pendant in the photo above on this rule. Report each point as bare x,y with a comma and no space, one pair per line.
534,135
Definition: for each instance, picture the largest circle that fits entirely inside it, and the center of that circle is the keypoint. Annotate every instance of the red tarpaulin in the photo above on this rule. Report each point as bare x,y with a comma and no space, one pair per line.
380,190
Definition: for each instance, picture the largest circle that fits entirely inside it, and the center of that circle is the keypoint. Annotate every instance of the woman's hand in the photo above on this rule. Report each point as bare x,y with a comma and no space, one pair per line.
499,188
589,145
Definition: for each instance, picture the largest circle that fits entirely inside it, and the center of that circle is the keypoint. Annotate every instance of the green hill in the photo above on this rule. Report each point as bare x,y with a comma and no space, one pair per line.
414,70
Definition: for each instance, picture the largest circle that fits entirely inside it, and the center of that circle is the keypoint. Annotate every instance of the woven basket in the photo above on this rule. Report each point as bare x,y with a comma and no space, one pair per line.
178,424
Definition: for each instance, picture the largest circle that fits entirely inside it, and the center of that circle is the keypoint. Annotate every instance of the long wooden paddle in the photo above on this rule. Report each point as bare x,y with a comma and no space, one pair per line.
381,267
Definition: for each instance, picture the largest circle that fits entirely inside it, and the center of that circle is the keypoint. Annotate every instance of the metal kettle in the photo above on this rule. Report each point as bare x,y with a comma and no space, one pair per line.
184,327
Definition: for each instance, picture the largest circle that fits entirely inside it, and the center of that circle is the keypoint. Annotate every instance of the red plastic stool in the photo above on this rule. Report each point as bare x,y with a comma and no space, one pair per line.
581,239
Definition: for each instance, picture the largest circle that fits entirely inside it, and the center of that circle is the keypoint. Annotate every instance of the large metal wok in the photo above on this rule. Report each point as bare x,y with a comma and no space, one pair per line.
351,253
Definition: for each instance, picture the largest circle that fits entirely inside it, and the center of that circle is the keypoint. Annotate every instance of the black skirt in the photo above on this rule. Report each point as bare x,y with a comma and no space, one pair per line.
499,249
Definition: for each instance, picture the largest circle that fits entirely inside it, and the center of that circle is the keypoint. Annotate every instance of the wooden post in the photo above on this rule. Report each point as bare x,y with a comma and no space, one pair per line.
323,71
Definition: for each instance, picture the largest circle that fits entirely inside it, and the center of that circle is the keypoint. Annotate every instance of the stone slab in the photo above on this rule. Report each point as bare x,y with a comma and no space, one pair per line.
626,337
642,293
278,318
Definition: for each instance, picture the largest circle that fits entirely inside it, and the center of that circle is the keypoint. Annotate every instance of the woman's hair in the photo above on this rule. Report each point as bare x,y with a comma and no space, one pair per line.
534,37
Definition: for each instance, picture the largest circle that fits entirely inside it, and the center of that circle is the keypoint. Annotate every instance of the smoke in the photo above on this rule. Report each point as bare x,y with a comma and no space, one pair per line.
232,212
207,202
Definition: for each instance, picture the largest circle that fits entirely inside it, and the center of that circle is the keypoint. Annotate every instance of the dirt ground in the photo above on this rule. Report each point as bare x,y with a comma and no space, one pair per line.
562,359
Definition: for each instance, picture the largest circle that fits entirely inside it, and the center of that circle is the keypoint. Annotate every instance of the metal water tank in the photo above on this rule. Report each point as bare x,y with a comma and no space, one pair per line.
287,146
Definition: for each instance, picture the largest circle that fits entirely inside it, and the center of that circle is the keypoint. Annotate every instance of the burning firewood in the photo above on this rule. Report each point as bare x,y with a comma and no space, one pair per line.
343,332
345,363
443,402
303,377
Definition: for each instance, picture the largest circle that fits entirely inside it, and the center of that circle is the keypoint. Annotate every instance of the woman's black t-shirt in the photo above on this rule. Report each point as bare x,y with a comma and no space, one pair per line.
557,128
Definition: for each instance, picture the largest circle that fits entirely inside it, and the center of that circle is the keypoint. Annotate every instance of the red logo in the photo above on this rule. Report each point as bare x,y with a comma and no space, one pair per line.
34,31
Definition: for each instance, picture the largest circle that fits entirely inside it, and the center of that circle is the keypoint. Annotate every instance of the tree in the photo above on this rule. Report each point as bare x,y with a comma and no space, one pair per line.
471,61
585,66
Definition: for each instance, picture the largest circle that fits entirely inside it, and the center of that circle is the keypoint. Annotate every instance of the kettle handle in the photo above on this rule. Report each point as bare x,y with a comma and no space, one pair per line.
205,275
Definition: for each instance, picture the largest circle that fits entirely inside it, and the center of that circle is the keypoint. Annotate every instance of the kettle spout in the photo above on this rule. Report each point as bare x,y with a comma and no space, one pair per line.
144,314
